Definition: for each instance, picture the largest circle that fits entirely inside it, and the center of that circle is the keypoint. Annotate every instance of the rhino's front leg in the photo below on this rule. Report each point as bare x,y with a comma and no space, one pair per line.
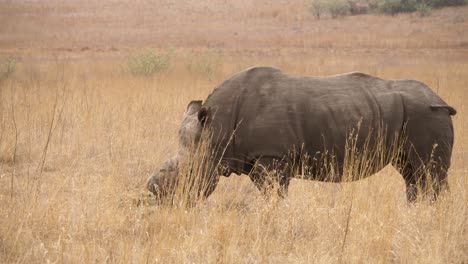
268,174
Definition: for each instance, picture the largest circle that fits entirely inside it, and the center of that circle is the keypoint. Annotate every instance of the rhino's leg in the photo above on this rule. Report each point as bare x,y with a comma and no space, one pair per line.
435,179
427,149
428,158
413,180
440,183
267,174
428,183
418,182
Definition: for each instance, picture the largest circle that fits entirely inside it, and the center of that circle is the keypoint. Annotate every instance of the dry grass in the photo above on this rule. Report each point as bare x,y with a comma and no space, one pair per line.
79,135
110,130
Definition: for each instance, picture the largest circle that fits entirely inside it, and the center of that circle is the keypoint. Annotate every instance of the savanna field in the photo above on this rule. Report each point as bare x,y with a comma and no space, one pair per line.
83,124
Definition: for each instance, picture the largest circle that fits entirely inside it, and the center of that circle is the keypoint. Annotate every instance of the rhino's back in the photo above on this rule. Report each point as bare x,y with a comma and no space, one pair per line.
271,112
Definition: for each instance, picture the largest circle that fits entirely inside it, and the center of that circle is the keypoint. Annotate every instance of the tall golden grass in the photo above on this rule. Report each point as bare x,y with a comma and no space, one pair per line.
78,138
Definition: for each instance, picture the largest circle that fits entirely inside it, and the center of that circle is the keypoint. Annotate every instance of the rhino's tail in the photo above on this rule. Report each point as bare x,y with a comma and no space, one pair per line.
450,109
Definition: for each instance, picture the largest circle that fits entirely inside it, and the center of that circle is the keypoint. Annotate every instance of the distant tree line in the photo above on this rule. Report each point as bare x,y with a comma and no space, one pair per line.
337,8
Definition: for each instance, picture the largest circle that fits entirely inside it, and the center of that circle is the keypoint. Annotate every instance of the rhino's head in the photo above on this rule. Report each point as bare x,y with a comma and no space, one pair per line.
162,183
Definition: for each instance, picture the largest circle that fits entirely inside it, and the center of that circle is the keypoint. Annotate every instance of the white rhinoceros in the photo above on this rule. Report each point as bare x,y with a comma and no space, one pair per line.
262,118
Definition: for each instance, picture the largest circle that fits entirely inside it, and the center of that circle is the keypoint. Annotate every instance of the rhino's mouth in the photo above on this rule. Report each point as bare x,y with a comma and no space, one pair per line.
161,184
152,186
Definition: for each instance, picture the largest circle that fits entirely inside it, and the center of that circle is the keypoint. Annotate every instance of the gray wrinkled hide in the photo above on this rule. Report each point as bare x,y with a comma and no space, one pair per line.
189,135
259,115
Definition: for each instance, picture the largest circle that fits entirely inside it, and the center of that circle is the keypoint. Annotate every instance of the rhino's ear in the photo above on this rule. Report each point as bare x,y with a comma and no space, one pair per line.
204,115
193,107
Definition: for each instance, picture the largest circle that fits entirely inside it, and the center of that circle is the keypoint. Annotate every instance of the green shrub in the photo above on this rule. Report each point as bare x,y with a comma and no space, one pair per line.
357,7
424,9
397,6
7,68
205,63
337,8
441,3
148,62
389,6
317,7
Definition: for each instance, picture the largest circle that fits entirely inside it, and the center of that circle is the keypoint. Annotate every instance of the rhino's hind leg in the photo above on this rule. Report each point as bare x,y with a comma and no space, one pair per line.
426,181
267,174
407,171
437,181
411,182
427,151
423,177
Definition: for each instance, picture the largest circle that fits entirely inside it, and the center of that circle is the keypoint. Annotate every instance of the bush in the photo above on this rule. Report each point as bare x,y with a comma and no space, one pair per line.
389,6
205,63
357,7
424,9
148,62
397,6
441,3
337,8
317,7
7,67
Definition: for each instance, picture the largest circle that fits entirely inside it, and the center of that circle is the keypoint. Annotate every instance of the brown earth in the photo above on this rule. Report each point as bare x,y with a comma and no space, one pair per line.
113,26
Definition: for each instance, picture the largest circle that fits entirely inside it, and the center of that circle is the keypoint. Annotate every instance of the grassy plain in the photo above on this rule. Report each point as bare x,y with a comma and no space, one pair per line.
79,135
